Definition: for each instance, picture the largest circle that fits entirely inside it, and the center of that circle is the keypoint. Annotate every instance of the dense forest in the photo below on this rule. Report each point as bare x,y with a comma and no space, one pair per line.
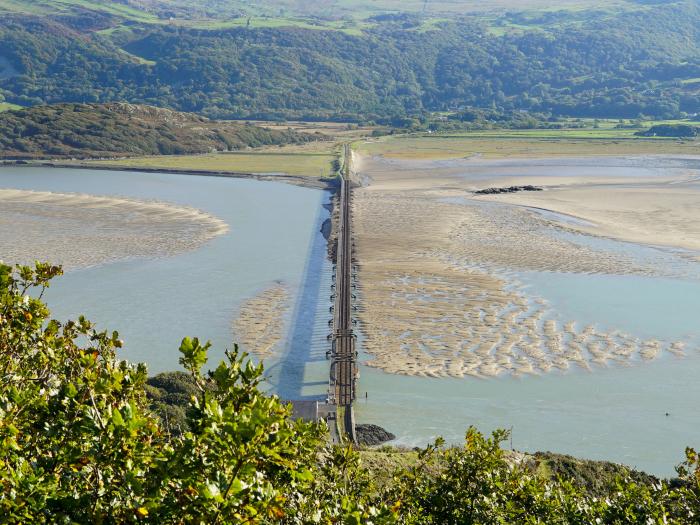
115,129
593,64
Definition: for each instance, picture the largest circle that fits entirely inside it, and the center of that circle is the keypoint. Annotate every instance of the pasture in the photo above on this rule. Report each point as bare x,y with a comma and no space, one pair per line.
6,106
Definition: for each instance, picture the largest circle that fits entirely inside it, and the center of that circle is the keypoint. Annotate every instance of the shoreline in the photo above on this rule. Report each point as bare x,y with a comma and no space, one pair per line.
296,180
648,214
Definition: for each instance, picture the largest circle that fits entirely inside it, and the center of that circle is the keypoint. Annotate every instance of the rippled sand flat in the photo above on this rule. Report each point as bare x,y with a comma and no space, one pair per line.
78,230
259,326
437,298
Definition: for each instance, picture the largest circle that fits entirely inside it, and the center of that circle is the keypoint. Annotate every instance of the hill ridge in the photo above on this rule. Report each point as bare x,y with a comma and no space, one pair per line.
117,129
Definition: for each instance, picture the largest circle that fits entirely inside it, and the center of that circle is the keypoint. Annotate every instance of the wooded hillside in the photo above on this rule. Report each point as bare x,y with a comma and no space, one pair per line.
590,63
117,130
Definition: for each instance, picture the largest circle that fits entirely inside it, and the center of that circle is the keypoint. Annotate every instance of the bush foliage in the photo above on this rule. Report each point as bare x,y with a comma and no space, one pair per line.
79,444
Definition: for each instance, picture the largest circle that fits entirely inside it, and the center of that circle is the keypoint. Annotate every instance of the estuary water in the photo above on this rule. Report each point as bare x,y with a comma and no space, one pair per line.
643,415
274,236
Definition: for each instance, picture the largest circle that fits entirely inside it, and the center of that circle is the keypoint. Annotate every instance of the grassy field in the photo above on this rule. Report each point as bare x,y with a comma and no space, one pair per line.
292,163
6,106
494,145
352,17
349,16
44,7
366,8
333,130
597,137
601,133
351,27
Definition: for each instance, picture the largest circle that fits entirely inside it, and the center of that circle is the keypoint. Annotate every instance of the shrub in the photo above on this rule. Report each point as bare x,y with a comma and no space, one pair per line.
79,443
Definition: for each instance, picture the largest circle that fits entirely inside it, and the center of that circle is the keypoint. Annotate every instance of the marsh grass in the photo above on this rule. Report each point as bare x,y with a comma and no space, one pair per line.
303,164
530,143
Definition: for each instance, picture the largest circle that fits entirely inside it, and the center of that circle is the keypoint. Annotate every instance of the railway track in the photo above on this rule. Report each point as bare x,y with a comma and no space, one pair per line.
343,370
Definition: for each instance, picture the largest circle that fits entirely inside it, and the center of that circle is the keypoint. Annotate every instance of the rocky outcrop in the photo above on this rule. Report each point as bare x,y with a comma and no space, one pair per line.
509,189
370,435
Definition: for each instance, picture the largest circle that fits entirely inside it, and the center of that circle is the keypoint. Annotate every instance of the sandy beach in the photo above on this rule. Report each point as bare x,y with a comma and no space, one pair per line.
437,263
78,230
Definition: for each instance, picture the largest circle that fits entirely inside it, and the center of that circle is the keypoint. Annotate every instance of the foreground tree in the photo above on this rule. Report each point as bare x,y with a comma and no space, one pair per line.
79,444
76,442
482,483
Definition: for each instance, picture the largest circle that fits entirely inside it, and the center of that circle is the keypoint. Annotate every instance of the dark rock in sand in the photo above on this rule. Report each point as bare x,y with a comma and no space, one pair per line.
372,434
510,189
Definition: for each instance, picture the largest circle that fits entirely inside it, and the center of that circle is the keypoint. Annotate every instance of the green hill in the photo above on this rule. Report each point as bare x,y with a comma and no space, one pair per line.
621,60
99,130
155,10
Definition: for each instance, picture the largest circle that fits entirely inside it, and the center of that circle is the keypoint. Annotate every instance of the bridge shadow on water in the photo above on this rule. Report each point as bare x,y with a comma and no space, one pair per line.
300,373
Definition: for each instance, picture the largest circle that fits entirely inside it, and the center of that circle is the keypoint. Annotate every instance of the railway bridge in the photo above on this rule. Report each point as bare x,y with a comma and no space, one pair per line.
343,353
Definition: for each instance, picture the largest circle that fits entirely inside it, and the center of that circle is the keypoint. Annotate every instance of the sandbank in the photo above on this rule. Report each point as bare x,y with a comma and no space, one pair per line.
78,230
258,327
436,263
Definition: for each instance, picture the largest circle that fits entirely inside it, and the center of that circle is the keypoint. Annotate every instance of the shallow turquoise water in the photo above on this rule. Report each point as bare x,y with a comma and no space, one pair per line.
274,236
648,307
616,413
613,414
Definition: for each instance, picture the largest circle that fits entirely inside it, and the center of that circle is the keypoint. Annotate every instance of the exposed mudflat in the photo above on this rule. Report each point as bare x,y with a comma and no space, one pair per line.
438,265
259,326
78,230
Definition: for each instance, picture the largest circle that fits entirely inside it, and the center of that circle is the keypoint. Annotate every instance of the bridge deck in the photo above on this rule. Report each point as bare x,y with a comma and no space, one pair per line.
343,373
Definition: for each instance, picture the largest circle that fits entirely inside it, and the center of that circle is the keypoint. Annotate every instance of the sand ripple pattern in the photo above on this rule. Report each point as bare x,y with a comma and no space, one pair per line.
78,230
259,327
464,324
515,238
436,299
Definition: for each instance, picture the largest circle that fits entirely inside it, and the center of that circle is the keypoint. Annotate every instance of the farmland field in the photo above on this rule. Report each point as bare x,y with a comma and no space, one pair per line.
527,143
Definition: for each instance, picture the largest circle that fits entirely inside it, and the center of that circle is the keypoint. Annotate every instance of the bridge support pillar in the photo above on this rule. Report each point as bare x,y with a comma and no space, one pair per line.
349,424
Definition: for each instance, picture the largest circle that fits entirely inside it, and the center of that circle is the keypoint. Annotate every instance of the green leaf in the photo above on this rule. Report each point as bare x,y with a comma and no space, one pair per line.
237,486
117,418
211,490
71,391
